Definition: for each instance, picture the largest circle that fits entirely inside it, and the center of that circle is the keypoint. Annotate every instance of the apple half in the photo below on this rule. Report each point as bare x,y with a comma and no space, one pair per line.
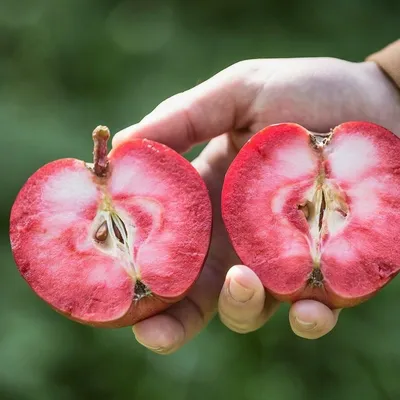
317,216
116,241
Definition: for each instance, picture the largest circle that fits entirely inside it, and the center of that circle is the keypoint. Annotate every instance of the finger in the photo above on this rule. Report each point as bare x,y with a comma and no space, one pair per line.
160,333
310,319
167,332
244,306
217,105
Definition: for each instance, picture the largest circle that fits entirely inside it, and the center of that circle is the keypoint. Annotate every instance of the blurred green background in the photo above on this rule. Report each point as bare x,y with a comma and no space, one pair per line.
69,65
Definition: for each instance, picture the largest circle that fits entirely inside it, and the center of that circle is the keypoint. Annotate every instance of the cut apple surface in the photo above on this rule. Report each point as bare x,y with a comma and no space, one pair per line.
113,242
317,216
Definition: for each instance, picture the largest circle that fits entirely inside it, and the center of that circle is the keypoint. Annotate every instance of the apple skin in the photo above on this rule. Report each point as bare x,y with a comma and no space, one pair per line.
158,218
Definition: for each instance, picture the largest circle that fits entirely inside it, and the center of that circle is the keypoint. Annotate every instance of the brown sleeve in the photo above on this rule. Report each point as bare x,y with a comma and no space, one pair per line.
389,60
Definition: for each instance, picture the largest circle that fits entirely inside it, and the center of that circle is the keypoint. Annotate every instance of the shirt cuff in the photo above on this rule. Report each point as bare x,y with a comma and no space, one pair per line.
388,60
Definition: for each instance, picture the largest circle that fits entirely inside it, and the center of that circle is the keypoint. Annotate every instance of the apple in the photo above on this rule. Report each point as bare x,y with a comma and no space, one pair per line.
113,242
317,216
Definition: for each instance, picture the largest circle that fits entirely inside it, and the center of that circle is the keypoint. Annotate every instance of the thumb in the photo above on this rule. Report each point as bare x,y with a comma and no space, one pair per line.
196,115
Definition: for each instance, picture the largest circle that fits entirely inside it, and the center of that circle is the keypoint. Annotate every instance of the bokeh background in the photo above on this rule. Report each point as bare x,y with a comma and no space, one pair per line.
69,65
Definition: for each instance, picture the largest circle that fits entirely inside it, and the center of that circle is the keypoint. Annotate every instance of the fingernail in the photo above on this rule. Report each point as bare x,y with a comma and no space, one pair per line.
155,348
239,293
304,325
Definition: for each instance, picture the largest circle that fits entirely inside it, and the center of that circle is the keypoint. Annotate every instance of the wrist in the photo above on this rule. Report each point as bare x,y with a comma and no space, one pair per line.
388,59
383,94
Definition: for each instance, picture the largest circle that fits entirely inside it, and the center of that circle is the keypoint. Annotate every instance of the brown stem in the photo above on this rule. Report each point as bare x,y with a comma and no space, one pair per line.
100,138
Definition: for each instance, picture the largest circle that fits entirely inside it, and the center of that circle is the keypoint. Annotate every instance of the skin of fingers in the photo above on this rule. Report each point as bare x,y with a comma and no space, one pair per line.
161,333
255,93
199,114
312,320
243,305
246,307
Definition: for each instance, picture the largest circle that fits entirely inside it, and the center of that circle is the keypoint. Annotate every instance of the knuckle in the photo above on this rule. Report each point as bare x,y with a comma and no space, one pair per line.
243,65
175,100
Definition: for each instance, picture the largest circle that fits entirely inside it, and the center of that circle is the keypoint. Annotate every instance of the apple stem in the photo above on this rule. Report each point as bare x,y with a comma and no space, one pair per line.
100,138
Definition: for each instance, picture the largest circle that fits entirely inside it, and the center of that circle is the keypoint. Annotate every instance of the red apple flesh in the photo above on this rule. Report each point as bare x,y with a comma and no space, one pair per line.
111,243
317,216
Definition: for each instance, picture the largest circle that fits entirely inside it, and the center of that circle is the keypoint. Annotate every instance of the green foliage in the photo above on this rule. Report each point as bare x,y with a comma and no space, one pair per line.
69,65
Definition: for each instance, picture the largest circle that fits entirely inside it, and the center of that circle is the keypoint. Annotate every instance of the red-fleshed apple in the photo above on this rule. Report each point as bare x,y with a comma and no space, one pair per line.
317,216
113,242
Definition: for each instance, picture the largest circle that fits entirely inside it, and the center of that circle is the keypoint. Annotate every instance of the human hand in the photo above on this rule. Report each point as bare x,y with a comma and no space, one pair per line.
318,93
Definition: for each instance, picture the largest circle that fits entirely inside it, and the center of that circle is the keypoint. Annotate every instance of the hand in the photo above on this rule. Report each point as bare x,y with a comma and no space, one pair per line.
227,109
